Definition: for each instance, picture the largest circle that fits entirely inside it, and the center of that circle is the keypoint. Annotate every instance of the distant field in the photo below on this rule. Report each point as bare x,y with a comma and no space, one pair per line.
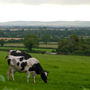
49,45
15,48
19,48
65,73
52,47
14,44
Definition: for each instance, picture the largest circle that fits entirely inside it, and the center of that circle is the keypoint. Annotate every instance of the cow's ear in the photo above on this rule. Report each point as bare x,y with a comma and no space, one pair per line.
46,73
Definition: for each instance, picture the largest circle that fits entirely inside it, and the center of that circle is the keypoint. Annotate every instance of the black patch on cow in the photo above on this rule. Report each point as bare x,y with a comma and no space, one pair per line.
18,64
23,64
24,54
9,60
37,68
44,77
21,59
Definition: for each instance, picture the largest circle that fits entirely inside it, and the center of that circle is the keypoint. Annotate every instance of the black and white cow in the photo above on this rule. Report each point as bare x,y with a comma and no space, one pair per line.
23,62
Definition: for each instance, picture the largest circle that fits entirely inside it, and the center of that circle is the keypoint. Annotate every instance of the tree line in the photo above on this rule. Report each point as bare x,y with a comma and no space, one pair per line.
74,45
53,35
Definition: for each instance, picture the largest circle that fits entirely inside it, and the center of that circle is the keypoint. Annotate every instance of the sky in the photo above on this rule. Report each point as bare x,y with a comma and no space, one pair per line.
44,10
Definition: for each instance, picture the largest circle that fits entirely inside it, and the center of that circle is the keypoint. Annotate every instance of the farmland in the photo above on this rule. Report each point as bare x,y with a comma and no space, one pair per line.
65,73
42,47
41,44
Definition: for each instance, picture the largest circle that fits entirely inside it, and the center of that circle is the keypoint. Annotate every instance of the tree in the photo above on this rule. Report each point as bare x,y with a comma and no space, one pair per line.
64,46
75,42
74,45
31,41
46,38
2,42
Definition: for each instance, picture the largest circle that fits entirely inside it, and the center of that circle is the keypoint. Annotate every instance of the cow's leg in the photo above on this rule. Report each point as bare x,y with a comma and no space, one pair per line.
12,74
34,79
28,76
34,76
8,73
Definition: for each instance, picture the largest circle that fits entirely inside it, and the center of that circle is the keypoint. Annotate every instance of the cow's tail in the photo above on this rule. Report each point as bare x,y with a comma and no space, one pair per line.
6,58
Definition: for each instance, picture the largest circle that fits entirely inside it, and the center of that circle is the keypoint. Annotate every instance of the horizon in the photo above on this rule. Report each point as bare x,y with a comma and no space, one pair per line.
46,23
42,21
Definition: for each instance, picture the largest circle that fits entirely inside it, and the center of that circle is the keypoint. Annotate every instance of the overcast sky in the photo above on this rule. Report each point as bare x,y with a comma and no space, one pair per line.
66,2
44,10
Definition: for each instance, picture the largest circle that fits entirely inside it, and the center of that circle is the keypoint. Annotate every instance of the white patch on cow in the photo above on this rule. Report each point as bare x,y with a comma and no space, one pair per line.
14,57
10,52
46,73
32,61
18,51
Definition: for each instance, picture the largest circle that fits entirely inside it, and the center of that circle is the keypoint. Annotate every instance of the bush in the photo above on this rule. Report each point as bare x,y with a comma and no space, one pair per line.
31,41
73,45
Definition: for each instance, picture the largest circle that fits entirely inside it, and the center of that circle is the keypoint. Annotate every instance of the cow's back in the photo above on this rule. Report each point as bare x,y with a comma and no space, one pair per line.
21,65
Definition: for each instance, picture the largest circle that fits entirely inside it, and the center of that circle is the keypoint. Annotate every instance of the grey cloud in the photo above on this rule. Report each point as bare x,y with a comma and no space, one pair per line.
65,2
23,1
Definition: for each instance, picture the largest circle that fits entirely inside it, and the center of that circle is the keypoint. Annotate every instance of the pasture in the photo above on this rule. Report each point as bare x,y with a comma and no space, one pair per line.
65,73
41,44
34,49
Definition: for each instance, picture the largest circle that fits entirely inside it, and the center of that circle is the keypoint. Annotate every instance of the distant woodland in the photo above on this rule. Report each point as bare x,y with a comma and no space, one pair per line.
53,34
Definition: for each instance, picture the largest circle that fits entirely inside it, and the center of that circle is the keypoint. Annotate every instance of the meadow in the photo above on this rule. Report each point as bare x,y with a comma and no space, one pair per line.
24,49
41,44
66,72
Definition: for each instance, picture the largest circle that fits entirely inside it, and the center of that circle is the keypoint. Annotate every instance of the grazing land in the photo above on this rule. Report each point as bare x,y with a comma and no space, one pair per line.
24,49
41,45
65,73
14,44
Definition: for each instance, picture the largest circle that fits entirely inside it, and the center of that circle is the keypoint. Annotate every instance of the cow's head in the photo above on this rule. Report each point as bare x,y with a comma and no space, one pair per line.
44,76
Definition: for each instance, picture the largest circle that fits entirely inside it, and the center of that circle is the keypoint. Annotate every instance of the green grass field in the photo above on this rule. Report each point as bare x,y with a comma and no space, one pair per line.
65,73
34,49
41,44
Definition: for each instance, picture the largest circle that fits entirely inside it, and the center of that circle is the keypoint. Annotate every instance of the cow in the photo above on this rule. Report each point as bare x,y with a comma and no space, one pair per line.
19,61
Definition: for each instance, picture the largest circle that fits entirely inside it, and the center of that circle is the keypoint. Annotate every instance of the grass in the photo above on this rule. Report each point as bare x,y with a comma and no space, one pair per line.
65,73
15,48
14,44
34,49
49,45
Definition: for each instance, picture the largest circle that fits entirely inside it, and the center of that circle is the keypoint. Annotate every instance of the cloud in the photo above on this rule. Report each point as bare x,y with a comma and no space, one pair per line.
61,2
23,1
72,2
